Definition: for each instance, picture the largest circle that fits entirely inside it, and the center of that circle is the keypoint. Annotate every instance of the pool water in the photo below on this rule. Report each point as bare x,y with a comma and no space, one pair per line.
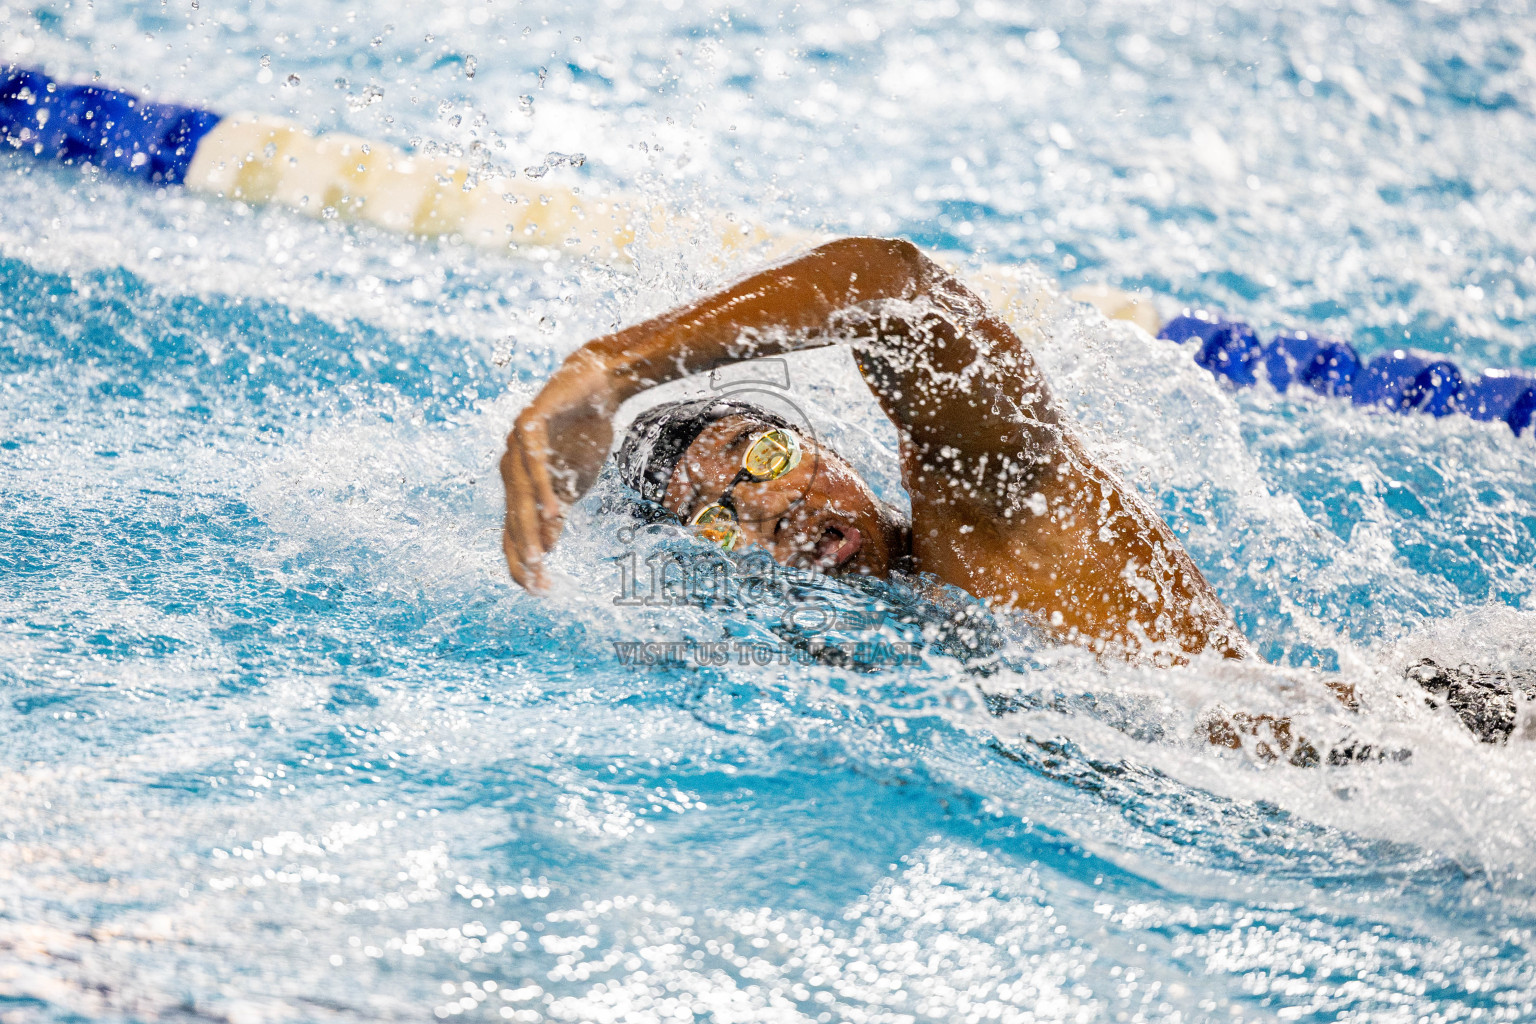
282,742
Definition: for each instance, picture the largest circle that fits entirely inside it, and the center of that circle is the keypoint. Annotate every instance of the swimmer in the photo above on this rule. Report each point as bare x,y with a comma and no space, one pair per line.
1007,503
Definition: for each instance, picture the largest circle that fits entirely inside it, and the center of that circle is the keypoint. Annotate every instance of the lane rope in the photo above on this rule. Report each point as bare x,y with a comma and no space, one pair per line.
1400,380
257,158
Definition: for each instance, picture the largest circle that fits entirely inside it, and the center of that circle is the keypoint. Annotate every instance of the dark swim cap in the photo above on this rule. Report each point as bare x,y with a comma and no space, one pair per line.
659,436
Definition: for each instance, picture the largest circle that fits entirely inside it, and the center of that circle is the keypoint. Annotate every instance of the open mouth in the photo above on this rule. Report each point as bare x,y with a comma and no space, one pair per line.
837,546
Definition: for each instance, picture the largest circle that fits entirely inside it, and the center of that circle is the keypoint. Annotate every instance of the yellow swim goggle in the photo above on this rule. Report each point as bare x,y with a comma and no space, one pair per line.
769,456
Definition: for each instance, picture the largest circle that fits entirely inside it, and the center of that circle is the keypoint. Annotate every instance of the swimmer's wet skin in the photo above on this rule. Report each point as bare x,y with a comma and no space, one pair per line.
1007,504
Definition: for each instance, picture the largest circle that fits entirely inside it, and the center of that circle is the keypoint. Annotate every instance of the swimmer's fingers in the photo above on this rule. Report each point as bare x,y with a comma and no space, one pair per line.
533,438
515,566
512,544
520,531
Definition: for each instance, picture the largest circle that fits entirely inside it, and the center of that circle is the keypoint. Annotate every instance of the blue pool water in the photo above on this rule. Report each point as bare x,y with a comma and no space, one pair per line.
281,741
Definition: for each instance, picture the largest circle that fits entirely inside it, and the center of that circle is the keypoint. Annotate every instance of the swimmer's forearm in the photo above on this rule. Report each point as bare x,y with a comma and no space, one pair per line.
783,309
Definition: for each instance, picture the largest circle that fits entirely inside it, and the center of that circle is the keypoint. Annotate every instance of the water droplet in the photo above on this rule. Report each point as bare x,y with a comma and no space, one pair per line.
370,95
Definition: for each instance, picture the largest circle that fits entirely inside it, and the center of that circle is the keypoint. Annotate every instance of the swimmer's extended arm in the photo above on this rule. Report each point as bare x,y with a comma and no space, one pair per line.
956,380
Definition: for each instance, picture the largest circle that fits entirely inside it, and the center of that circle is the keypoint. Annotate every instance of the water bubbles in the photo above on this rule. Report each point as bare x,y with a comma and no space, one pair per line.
553,160
371,94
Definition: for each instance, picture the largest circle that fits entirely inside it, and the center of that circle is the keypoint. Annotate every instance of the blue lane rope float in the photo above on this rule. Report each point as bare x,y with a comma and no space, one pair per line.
116,131
258,158
1400,380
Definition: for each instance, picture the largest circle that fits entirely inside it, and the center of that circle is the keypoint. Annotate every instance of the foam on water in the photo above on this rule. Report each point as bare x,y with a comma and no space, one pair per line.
282,742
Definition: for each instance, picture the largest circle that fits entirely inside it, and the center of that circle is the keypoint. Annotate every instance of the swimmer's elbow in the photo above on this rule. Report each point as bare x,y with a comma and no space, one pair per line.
871,247
893,266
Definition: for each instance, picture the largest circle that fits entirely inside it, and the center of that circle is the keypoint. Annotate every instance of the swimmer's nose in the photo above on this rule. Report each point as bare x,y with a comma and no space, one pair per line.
766,503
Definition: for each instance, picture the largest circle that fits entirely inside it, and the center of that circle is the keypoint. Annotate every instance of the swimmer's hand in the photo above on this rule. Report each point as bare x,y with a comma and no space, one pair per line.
554,453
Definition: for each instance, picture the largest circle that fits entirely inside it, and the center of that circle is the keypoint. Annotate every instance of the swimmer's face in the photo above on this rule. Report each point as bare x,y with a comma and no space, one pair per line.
820,515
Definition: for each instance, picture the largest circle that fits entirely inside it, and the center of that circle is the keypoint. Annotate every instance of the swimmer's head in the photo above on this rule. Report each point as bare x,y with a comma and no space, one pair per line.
810,511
